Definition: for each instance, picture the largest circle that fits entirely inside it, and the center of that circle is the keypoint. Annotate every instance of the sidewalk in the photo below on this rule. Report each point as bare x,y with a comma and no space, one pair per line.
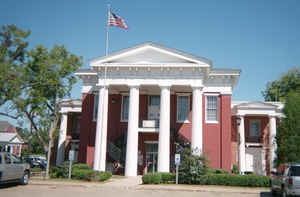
135,183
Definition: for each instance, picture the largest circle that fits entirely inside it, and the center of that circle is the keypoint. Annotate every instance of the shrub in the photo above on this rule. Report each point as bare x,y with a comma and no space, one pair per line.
152,178
216,171
81,166
192,166
168,178
81,174
235,169
99,176
157,178
231,180
79,171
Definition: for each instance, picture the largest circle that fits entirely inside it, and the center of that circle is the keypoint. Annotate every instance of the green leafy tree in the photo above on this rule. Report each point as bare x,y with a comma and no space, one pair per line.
45,77
192,166
12,56
279,89
288,133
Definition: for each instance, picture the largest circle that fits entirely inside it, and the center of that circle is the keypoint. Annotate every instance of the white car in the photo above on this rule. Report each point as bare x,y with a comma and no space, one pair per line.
287,180
13,169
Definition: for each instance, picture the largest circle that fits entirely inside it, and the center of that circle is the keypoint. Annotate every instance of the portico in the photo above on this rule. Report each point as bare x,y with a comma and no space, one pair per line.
150,89
256,126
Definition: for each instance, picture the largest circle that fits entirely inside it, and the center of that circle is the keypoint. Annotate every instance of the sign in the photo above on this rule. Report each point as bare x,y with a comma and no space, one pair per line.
177,159
71,155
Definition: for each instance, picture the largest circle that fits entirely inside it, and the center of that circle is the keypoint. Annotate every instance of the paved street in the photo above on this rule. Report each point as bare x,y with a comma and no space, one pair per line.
51,189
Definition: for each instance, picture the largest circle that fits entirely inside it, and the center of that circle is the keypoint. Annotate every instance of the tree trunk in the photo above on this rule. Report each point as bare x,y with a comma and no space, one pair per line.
48,158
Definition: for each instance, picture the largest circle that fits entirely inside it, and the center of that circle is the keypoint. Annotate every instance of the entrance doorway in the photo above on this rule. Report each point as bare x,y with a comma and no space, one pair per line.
151,156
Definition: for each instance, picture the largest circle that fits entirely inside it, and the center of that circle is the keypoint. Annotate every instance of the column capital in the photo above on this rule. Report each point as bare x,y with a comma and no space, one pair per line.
272,116
133,85
195,87
240,116
165,86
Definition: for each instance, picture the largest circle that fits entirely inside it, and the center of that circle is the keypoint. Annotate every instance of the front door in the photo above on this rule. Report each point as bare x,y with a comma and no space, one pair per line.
151,156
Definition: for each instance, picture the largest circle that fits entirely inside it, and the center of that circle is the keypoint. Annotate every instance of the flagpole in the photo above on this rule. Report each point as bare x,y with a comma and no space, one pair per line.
107,41
107,29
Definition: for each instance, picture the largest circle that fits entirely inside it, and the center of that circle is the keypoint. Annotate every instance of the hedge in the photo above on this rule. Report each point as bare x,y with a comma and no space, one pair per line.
210,179
230,180
216,171
157,178
79,171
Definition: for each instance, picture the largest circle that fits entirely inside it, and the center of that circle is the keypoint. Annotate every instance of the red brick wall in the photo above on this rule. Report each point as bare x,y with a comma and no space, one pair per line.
225,121
212,138
87,130
216,137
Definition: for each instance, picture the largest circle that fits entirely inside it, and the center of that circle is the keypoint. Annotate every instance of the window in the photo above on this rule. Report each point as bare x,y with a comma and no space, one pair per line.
15,159
183,108
95,112
254,128
125,107
154,100
7,158
211,108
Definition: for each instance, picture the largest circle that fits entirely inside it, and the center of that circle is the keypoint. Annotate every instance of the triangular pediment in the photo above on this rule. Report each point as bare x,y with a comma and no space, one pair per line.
150,53
256,105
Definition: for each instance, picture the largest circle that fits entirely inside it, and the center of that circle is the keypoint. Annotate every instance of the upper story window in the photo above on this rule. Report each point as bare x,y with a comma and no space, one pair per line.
183,108
95,111
125,108
255,126
212,108
154,100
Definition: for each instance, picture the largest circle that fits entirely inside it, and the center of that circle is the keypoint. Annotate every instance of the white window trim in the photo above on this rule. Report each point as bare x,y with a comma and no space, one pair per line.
96,94
189,107
212,121
121,119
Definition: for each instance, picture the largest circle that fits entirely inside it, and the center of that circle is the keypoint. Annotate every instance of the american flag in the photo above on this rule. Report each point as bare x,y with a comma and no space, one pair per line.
115,20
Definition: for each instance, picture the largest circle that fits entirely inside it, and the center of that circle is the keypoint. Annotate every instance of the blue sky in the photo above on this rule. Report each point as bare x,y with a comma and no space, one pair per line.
260,37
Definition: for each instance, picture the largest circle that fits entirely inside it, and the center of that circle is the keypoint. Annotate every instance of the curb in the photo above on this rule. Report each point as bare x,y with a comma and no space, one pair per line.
183,188
205,189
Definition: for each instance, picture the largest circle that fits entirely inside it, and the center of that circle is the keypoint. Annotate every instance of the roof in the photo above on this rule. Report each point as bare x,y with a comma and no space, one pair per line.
154,45
8,138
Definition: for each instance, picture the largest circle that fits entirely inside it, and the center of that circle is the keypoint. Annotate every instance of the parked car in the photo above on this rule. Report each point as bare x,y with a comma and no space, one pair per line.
36,161
13,169
286,180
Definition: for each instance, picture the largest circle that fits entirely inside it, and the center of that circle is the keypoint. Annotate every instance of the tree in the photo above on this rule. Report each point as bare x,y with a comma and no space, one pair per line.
279,89
49,75
46,77
12,56
288,133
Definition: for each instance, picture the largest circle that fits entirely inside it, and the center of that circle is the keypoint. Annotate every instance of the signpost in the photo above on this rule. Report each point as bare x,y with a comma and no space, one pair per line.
71,158
177,163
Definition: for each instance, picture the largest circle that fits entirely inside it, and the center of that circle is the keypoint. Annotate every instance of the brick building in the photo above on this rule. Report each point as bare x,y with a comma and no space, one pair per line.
141,105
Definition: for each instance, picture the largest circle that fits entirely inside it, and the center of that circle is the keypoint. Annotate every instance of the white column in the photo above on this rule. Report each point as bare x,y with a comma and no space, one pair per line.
242,150
60,157
164,131
132,133
197,143
101,130
20,150
272,141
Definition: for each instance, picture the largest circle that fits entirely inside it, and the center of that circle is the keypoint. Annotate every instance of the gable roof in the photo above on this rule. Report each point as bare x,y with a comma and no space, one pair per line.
256,105
10,138
155,48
